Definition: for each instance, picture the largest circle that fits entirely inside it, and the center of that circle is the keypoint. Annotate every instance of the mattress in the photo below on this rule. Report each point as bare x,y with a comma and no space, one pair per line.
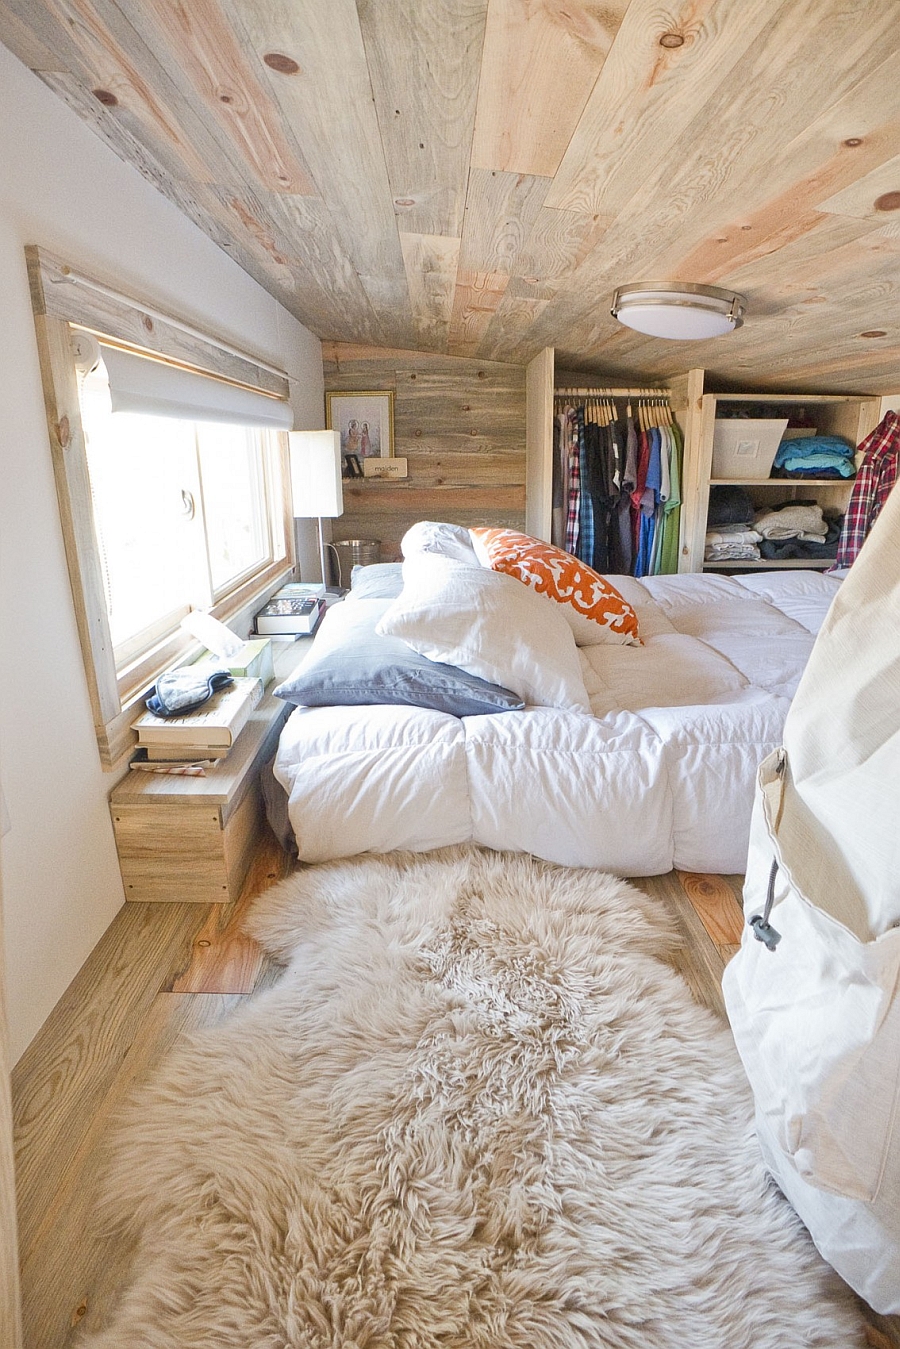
660,775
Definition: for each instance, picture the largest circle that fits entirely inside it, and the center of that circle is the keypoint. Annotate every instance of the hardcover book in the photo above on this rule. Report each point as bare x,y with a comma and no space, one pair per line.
290,614
217,723
183,753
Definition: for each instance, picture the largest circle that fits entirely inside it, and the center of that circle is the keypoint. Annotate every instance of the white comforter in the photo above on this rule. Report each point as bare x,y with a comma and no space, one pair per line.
660,776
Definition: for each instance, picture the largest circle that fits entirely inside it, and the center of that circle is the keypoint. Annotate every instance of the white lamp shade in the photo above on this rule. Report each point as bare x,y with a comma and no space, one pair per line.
683,313
316,488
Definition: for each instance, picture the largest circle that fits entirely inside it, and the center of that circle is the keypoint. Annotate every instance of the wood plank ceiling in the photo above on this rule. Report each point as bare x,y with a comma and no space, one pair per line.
475,177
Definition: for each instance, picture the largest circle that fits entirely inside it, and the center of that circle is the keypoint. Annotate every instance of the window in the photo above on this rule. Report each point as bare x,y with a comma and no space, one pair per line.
171,477
185,512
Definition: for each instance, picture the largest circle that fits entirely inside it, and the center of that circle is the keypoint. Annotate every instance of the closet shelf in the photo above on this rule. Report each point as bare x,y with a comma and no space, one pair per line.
780,482
771,564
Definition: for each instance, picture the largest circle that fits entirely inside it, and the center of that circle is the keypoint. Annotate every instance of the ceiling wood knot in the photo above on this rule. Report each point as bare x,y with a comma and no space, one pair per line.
63,432
874,332
852,141
672,40
106,97
888,201
285,65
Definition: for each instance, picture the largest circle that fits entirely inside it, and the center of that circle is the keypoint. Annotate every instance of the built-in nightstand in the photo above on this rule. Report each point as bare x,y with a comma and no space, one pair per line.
192,838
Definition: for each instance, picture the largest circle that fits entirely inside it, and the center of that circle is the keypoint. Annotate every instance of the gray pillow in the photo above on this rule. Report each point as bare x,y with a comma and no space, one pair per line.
350,663
377,581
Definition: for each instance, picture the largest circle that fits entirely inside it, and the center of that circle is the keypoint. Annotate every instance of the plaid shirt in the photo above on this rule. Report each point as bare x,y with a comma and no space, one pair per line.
573,502
876,477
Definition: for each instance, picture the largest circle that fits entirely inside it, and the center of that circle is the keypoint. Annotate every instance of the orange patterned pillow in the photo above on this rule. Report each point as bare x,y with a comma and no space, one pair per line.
595,610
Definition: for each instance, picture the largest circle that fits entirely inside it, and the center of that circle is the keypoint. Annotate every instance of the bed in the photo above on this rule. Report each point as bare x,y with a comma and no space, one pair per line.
658,772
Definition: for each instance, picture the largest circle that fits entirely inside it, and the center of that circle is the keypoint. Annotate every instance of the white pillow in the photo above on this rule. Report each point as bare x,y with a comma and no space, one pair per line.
434,536
490,625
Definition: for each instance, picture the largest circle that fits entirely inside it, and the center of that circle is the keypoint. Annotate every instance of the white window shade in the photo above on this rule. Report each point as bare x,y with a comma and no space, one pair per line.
137,384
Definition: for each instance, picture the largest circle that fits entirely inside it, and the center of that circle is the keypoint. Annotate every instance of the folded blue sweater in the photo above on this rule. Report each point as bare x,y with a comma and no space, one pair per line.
805,446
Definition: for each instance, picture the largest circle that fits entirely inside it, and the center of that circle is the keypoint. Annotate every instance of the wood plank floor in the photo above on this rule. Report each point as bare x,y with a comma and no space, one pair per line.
163,970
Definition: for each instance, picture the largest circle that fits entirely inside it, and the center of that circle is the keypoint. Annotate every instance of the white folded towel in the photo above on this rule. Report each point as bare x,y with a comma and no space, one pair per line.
730,552
716,537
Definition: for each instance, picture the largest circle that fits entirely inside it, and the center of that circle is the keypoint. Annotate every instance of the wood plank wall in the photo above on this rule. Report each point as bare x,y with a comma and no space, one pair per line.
461,426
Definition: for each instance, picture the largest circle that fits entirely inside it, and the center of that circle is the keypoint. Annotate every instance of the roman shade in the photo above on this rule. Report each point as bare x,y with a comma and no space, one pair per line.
140,384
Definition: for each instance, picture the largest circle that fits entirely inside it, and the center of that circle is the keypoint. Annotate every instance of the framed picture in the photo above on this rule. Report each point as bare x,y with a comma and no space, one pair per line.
365,421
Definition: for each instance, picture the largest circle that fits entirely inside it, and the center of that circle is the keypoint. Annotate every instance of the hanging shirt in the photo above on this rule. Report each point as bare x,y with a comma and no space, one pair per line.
671,526
559,482
876,477
628,458
648,503
637,492
586,459
573,494
665,454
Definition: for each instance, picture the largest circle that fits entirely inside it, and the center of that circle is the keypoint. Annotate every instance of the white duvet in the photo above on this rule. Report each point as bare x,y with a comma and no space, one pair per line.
661,774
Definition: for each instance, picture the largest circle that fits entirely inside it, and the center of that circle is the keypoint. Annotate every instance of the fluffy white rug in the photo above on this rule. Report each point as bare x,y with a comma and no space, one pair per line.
477,1111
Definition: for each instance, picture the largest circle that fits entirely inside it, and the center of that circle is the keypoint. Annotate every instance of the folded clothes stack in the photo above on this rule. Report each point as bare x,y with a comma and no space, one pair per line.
731,543
730,533
792,521
797,529
814,457
729,505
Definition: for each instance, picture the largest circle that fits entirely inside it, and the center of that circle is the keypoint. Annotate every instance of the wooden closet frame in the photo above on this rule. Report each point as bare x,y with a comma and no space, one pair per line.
851,415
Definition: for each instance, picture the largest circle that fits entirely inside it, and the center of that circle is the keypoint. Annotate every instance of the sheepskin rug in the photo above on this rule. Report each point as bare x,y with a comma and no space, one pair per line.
477,1110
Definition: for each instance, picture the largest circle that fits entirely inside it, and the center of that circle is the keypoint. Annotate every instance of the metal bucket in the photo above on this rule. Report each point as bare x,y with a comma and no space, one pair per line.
354,552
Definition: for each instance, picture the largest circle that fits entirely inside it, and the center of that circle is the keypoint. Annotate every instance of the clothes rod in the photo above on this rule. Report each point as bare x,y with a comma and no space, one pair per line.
75,278
599,392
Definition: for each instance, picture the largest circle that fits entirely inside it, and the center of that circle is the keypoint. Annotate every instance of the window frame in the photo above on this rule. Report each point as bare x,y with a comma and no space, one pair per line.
59,303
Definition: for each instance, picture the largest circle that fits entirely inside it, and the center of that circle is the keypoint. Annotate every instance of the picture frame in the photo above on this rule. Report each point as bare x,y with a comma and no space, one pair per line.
365,421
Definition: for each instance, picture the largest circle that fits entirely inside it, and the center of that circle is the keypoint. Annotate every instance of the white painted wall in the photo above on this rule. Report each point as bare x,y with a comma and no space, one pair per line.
60,187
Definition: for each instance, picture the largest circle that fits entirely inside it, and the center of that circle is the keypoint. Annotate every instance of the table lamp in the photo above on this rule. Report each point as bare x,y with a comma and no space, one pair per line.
316,480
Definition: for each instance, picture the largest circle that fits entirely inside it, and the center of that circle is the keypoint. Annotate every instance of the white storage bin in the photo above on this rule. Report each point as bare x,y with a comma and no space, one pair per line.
745,447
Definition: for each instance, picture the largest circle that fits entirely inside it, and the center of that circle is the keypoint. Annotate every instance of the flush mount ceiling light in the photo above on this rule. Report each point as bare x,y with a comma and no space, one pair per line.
678,309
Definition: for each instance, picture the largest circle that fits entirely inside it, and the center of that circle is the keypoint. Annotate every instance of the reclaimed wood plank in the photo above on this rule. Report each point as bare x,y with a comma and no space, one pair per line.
539,66
424,57
214,65
73,1269
328,102
634,95
10,1289
223,958
431,261
76,1054
714,901
697,961
500,210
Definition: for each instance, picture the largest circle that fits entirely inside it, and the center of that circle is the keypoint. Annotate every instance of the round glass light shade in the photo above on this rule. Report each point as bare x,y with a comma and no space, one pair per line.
683,312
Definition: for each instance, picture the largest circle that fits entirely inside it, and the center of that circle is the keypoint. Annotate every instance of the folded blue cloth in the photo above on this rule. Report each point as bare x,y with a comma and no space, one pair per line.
804,447
179,691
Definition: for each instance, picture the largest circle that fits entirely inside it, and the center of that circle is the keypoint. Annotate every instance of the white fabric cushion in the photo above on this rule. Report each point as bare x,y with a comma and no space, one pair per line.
490,625
434,536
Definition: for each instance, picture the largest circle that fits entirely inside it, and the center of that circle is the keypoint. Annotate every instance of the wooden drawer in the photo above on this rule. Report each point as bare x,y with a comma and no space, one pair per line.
193,838
184,852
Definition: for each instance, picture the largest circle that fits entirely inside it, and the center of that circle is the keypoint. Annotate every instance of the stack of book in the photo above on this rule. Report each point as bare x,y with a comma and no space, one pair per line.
207,733
290,615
